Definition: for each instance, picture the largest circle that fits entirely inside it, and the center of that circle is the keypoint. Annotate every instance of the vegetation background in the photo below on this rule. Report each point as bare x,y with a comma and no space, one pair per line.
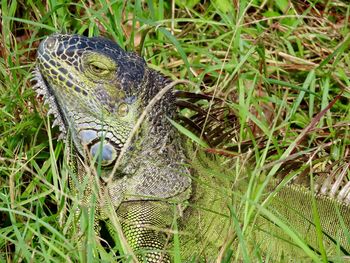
279,72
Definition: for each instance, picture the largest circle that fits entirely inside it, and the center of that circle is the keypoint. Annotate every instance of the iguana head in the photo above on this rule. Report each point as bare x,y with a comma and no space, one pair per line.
94,88
97,91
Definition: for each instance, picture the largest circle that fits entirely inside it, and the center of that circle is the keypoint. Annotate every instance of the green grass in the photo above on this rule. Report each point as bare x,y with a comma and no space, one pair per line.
282,68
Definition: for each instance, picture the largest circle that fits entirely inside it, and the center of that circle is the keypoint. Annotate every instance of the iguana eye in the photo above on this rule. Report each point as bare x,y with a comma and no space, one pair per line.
98,68
123,109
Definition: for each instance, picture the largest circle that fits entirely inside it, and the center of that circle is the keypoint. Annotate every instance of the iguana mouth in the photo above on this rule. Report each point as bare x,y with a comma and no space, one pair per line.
42,88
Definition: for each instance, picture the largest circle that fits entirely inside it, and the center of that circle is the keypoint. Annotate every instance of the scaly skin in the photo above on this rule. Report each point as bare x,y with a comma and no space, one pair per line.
97,91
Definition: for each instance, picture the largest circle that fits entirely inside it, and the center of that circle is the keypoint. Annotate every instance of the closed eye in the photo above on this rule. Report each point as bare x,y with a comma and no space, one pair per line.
98,68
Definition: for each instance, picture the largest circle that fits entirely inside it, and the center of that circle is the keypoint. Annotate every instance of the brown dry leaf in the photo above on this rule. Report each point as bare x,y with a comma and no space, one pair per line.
128,28
267,114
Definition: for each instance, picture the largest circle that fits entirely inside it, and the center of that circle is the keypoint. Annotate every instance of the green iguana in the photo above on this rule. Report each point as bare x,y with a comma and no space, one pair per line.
97,91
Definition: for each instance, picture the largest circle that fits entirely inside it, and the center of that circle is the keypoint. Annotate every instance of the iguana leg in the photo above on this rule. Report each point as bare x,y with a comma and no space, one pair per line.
145,225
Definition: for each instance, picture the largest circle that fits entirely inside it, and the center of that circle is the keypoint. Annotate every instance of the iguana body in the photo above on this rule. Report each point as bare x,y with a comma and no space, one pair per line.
97,91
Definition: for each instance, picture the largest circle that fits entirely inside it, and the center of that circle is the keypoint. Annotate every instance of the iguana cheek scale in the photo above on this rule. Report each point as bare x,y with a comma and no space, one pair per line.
96,92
